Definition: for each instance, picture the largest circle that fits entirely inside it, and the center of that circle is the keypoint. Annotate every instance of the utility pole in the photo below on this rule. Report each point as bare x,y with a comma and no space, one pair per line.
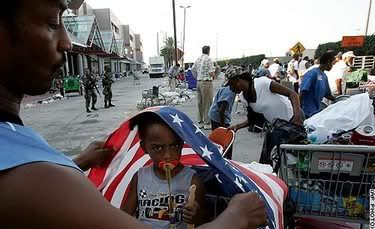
174,28
368,17
157,44
217,44
183,39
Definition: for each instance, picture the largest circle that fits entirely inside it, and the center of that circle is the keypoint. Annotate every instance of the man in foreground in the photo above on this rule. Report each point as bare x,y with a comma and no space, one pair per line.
40,187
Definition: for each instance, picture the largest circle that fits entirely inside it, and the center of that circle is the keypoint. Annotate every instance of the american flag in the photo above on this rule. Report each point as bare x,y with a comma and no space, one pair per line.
113,178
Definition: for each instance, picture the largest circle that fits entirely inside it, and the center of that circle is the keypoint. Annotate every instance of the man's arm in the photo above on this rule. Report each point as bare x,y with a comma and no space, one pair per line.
237,127
222,108
292,95
44,195
301,95
240,215
328,93
194,70
338,86
330,97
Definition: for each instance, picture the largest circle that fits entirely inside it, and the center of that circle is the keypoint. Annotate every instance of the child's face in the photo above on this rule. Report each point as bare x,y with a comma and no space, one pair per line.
162,144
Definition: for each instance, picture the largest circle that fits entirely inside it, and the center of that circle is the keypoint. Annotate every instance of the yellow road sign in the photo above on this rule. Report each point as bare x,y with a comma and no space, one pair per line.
298,48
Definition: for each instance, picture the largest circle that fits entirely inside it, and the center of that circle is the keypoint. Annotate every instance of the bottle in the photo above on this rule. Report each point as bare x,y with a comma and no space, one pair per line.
321,135
312,138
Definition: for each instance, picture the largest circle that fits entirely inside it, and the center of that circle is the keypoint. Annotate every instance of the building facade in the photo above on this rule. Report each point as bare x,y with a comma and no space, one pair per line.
99,41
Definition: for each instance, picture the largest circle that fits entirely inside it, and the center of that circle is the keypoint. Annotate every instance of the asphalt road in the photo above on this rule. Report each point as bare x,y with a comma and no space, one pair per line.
67,127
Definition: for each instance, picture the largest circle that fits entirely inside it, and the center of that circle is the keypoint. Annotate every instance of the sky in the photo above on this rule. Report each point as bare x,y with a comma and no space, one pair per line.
238,28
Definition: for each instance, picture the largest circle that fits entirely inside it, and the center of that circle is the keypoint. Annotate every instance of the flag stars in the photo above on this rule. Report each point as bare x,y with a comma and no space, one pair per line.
177,120
217,177
206,152
241,179
197,130
238,183
234,168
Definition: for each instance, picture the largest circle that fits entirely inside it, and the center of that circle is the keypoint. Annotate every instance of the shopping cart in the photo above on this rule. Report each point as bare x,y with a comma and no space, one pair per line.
329,182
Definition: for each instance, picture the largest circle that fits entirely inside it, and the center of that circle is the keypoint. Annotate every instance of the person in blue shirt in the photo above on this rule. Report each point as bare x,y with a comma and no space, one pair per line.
221,110
315,86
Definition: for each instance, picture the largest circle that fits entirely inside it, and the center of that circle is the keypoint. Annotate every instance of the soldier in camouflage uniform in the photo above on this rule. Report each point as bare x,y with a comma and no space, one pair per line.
89,83
107,91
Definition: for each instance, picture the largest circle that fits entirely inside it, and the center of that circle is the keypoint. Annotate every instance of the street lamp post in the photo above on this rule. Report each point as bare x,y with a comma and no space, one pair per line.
183,39
174,28
368,17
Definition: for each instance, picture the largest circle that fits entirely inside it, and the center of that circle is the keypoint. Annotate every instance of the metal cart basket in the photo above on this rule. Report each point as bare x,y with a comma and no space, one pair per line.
329,182
151,97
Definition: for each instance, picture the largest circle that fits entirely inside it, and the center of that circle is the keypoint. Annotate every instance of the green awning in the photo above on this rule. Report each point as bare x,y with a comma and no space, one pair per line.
84,29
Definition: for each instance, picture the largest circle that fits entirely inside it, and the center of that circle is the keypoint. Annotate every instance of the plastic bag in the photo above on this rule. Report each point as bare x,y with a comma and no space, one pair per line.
354,78
344,115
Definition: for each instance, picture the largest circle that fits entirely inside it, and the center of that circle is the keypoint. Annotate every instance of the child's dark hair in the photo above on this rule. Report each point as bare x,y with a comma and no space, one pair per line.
145,120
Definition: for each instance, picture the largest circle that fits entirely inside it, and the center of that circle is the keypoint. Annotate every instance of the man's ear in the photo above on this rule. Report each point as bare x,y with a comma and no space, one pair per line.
143,146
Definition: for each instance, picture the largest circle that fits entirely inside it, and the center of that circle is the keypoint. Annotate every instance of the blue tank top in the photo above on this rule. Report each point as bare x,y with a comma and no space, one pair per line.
21,145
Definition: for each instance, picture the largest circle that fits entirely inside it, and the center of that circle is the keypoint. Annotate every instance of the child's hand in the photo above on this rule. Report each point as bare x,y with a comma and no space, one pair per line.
191,213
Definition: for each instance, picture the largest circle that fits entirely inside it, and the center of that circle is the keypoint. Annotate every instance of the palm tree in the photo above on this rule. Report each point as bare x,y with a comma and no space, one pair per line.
168,51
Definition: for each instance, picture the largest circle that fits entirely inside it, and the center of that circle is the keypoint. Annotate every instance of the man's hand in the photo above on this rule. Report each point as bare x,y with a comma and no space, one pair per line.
297,120
234,128
248,210
93,155
191,213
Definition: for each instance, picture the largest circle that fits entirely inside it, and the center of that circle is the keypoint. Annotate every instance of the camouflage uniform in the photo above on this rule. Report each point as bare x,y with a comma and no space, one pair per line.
107,91
89,84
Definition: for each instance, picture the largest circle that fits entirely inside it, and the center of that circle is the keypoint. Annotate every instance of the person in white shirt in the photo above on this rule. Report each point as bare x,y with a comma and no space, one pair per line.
303,66
275,69
264,96
337,75
292,71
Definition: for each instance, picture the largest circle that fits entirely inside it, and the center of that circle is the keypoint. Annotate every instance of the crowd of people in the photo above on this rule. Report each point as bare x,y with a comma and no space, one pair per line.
42,188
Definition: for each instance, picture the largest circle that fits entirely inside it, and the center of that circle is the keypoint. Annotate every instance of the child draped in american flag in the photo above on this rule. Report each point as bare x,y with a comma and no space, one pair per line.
149,193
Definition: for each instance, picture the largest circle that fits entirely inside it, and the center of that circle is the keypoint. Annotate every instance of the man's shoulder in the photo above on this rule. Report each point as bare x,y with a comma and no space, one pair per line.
262,80
312,72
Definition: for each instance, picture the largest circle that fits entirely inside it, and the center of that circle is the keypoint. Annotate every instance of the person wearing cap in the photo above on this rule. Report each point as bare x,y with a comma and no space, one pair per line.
337,75
40,187
264,96
204,70
315,86
221,111
275,69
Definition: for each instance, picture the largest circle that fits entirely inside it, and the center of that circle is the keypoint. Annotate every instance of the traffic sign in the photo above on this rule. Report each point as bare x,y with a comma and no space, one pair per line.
298,48
352,41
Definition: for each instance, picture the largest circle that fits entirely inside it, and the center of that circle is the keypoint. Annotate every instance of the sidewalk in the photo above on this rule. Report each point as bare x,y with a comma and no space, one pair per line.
28,99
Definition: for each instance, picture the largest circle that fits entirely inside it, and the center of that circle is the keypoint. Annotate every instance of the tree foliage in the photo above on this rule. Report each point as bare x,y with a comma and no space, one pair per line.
368,49
254,61
168,51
